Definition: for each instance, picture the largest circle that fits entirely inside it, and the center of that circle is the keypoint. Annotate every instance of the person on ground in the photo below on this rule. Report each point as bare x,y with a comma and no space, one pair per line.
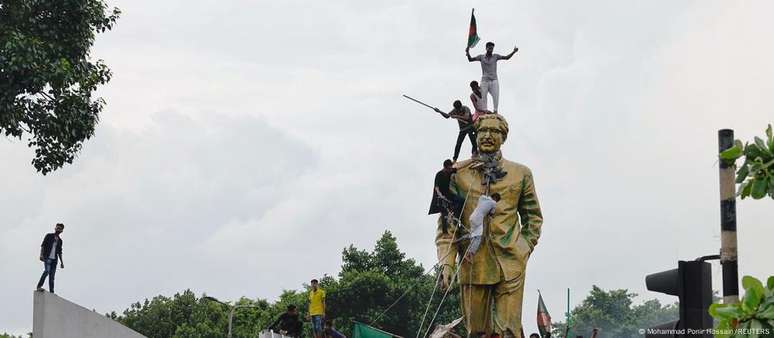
489,83
50,254
465,121
317,308
289,324
445,201
330,331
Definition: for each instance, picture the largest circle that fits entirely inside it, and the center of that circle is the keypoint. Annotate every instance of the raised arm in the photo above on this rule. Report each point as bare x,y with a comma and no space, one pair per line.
508,57
529,211
467,53
274,324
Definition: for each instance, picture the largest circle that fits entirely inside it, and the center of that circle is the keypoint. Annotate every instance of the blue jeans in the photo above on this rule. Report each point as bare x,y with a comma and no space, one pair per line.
49,266
317,325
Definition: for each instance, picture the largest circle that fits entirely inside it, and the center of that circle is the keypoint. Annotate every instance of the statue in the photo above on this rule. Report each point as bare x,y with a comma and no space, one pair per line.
492,279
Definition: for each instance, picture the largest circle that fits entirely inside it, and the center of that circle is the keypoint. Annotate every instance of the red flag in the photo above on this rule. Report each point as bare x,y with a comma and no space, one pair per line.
543,318
472,31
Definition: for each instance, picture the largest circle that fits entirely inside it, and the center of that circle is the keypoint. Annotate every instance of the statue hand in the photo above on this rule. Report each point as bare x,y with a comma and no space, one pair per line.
447,274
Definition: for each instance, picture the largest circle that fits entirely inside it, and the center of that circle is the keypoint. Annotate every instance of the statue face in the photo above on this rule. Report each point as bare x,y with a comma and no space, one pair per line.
489,136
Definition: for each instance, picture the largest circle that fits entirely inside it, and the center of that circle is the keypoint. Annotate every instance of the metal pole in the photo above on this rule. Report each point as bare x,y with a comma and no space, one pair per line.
728,251
230,318
567,331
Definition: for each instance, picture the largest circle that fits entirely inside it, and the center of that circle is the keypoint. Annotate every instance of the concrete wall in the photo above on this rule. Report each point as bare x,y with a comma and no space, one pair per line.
56,317
270,334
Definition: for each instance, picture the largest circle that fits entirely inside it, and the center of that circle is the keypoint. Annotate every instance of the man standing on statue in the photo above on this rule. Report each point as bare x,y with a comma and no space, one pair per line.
492,280
465,121
489,84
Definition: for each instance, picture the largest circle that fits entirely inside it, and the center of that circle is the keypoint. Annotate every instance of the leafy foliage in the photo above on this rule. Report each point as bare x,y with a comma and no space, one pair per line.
6,335
614,314
755,312
368,284
46,75
756,174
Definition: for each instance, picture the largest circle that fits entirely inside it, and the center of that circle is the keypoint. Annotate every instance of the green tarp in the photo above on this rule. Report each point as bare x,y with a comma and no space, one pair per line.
361,330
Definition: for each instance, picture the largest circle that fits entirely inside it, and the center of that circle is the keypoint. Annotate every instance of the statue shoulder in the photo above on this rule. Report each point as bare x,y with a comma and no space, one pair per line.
516,167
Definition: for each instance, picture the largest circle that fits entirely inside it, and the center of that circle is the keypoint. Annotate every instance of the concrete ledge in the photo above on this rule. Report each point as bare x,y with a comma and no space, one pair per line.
56,317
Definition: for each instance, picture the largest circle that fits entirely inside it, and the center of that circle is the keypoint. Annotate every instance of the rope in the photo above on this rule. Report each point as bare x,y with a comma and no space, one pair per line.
428,304
430,324
409,289
456,272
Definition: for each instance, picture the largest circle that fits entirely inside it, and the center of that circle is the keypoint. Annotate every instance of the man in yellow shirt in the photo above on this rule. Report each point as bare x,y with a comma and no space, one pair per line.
317,308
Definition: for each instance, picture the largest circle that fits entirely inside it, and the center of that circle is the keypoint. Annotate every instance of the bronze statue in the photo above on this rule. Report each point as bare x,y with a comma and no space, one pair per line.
492,280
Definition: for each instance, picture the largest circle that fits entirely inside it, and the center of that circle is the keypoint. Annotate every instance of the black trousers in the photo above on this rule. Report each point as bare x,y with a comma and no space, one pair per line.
50,271
461,137
454,205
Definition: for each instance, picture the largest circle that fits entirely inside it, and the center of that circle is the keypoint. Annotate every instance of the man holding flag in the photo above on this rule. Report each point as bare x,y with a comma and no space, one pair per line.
489,84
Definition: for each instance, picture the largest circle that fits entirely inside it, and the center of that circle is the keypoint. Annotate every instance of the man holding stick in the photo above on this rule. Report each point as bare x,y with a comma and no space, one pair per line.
465,121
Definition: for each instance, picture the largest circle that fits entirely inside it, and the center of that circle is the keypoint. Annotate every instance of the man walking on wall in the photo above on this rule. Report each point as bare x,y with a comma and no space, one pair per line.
50,254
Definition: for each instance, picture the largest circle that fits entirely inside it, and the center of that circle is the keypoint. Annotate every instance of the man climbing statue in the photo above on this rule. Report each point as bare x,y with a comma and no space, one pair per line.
444,201
492,280
489,84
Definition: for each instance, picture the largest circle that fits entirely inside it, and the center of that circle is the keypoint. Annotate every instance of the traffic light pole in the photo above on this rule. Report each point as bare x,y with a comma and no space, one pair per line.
728,248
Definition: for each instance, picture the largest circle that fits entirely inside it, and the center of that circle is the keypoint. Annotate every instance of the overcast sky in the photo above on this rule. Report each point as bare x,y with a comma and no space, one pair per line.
245,143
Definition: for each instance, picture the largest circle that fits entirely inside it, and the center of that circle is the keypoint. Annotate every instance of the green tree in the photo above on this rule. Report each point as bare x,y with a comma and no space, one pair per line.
756,174
369,283
47,77
186,316
6,335
615,315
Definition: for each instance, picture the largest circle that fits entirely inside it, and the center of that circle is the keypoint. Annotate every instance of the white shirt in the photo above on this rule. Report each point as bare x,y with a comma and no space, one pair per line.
488,66
52,255
485,206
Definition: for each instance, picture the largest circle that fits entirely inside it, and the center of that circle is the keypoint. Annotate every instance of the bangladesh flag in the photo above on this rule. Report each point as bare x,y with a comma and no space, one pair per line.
543,318
361,330
472,31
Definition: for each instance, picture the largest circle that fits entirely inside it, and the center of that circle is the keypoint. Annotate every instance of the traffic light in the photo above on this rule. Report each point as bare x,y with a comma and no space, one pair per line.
692,283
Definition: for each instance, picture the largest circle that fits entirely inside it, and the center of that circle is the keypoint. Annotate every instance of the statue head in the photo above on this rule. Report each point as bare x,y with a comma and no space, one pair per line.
491,132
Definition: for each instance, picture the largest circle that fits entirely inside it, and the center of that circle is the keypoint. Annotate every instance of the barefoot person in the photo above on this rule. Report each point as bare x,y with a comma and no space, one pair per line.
489,84
465,121
50,253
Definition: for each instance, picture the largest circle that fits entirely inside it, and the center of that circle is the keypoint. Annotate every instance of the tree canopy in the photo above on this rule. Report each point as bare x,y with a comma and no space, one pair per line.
47,77
615,315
